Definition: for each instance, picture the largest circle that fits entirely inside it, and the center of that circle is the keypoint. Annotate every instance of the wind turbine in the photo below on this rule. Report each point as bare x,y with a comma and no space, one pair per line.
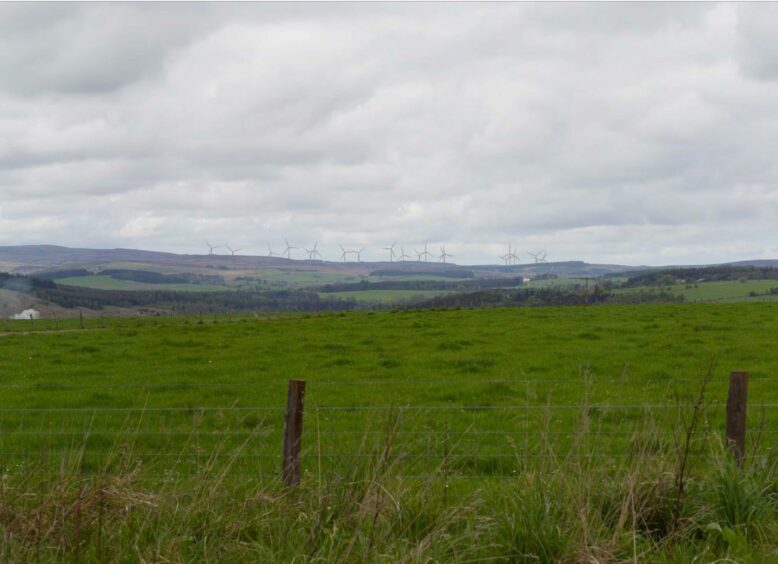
270,252
507,256
510,257
539,256
391,251
443,254
345,253
232,251
211,247
425,253
359,254
403,256
288,249
313,253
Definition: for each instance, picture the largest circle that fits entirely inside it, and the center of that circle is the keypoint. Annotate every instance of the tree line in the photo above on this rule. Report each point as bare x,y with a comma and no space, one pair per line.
669,276
144,276
459,285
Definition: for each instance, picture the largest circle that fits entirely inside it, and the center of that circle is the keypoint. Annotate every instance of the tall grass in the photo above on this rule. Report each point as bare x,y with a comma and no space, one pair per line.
572,508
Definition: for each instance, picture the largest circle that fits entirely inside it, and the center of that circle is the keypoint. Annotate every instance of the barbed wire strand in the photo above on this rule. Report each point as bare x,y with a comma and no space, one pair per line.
175,386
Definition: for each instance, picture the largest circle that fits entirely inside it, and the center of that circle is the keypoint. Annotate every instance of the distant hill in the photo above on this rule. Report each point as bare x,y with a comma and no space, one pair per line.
28,259
50,256
132,281
768,263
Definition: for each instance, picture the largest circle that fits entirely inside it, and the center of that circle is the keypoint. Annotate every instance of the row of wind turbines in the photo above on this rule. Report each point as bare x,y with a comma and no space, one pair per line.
313,254
511,257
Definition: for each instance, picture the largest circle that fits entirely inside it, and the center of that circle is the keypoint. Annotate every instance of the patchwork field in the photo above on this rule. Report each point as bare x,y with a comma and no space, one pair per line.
468,402
108,283
716,292
387,296
268,279
747,290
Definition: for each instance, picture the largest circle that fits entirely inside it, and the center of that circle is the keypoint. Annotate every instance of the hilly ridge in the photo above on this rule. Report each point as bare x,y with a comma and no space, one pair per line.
28,259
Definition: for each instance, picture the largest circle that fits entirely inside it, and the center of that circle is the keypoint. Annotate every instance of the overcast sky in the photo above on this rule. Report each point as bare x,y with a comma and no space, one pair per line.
625,133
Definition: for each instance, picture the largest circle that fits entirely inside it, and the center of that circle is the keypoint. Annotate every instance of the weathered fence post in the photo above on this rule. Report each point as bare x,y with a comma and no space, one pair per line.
737,403
293,432
81,318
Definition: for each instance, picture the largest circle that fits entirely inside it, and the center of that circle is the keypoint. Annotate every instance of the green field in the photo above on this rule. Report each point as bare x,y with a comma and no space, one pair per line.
728,291
455,420
108,283
557,283
717,292
386,296
277,277
302,279
161,268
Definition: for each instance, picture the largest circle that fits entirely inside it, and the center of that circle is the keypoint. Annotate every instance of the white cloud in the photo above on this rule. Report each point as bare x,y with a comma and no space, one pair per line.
633,132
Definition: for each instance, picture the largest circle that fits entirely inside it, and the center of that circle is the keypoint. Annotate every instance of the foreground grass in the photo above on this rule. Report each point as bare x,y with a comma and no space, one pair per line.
531,435
573,509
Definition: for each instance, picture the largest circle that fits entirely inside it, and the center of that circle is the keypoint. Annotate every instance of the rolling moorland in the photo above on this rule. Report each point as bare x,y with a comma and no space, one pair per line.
67,282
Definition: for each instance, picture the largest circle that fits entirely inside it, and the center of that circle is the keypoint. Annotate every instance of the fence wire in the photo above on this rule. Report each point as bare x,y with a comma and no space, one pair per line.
474,440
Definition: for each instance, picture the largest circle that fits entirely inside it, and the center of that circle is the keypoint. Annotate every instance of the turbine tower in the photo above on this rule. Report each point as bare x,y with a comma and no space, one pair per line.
425,253
313,253
288,249
345,253
539,257
359,254
507,256
391,251
270,252
443,254
232,251
211,247
403,256
510,257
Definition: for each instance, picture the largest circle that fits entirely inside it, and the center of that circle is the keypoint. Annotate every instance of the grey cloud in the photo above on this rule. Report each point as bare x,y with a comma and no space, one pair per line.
89,48
758,49
586,129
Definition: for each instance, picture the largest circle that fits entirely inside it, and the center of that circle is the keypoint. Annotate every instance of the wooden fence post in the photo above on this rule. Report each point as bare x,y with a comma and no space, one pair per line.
737,403
293,432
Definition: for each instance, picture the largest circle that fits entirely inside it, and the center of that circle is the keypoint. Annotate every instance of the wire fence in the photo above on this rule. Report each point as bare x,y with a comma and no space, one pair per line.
363,384
468,439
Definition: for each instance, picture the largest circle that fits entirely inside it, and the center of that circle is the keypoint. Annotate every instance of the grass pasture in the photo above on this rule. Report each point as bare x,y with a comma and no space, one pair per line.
436,435
720,291
283,278
728,291
386,296
102,282
557,283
